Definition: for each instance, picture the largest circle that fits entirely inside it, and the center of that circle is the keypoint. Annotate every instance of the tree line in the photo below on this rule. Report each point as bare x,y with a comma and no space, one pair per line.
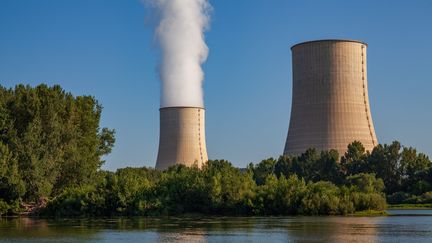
216,189
407,174
313,183
51,148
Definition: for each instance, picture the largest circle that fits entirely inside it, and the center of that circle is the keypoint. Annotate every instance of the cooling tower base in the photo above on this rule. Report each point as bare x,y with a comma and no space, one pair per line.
182,137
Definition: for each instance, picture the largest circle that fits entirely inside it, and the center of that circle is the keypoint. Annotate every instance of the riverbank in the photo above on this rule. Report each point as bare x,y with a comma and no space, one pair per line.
365,213
411,206
36,215
369,213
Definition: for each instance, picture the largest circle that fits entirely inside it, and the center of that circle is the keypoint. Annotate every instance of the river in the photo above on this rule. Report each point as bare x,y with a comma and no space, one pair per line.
403,226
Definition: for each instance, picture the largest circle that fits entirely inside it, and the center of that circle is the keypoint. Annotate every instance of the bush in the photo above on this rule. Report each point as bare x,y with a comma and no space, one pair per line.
321,198
217,188
366,183
4,207
406,198
368,201
78,201
427,197
398,198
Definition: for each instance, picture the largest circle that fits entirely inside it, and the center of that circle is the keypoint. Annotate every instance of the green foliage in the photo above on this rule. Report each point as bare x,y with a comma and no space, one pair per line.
11,186
305,165
283,166
262,170
415,171
312,166
400,168
368,201
51,146
279,195
4,207
182,190
328,167
49,141
322,198
367,183
230,190
385,161
310,184
217,188
407,198
130,190
355,160
77,201
367,192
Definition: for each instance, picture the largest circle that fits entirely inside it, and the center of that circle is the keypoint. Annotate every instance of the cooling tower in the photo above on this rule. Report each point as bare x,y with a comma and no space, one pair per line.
330,103
182,137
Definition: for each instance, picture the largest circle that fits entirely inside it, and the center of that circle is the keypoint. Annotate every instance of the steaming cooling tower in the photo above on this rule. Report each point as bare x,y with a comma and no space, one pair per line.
330,103
182,137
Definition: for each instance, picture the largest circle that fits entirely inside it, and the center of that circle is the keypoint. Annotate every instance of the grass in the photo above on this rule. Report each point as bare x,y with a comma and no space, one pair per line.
371,213
410,206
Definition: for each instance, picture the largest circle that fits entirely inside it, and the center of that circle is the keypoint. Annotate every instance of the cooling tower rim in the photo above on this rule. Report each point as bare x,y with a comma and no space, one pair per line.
181,107
329,40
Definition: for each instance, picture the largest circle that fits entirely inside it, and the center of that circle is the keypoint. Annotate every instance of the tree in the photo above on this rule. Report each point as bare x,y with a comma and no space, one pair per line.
283,166
263,169
229,189
321,198
367,183
354,160
305,164
385,162
182,190
328,168
414,170
11,186
54,136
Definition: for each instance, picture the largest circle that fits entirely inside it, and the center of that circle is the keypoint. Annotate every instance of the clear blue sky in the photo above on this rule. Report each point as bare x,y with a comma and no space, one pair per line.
105,48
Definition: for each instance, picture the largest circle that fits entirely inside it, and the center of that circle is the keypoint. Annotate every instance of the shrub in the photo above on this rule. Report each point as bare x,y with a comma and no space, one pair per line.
321,198
4,207
78,201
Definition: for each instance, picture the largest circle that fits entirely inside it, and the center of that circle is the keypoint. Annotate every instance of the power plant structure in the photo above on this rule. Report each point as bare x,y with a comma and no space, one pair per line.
182,137
330,102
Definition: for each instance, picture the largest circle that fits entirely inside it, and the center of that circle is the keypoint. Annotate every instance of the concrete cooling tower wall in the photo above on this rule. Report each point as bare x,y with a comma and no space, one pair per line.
182,137
330,103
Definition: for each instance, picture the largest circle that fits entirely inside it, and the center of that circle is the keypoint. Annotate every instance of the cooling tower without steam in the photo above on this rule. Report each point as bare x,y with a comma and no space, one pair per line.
330,103
182,137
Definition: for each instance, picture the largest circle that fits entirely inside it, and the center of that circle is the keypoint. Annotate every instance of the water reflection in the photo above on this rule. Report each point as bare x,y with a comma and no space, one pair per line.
219,229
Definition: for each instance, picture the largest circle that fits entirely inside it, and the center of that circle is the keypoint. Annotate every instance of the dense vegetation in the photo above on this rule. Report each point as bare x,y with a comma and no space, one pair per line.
217,188
407,175
314,183
51,147
49,141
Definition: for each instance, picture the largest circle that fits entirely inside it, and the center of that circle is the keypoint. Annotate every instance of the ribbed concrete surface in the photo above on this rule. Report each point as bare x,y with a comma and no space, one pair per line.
330,103
182,137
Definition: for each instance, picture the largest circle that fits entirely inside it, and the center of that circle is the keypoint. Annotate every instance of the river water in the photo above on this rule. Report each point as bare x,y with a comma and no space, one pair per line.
404,226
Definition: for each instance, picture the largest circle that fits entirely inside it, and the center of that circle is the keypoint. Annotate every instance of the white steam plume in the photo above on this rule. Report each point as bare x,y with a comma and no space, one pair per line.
180,34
